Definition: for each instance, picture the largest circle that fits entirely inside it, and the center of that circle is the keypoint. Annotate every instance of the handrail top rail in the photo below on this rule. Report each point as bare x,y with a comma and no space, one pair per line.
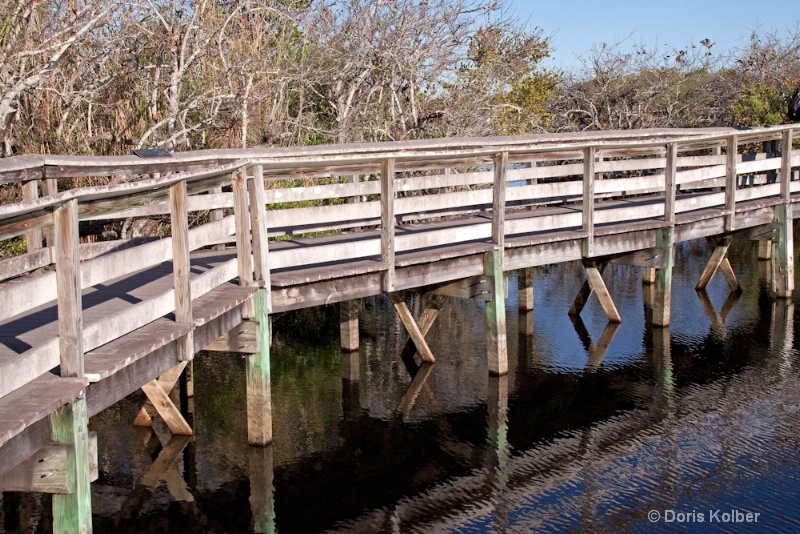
102,192
16,168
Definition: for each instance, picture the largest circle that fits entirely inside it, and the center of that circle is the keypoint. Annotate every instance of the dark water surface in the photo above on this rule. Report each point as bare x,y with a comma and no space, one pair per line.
698,421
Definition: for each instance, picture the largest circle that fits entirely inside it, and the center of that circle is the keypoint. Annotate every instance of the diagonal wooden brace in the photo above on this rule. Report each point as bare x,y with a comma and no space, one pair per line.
412,328
157,392
718,261
426,319
594,284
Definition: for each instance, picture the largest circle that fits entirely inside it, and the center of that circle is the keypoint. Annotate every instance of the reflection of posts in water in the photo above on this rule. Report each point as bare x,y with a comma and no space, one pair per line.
497,445
596,352
351,375
414,388
662,364
781,335
262,489
718,320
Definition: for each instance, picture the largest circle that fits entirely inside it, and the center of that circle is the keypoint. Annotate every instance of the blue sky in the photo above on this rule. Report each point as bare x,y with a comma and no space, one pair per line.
576,25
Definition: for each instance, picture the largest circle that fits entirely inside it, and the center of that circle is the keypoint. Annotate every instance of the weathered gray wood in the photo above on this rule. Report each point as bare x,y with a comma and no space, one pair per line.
243,338
720,249
495,311
348,324
259,393
584,293
68,280
244,255
387,223
499,200
598,286
525,289
786,164
730,181
166,409
662,302
588,201
180,266
783,253
651,258
412,328
670,177
428,316
33,239
258,225
43,472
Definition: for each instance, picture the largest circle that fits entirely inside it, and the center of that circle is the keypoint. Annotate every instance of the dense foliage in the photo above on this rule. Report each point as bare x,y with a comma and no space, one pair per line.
106,76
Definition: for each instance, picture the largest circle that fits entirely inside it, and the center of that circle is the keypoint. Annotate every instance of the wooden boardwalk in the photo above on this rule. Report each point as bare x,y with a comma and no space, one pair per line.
85,324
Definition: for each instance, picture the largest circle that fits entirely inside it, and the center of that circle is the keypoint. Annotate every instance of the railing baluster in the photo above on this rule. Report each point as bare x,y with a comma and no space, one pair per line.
387,223
786,165
670,173
68,281
730,182
49,188
499,200
258,223
33,238
588,201
244,255
179,219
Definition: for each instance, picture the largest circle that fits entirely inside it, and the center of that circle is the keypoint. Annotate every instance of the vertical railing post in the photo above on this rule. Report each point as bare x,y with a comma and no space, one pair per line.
387,223
68,280
665,240
244,255
179,220
259,389
497,344
33,238
783,247
49,188
588,201
730,182
71,512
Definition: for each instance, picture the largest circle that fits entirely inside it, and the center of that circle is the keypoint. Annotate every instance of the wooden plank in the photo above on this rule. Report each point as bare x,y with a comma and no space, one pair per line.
166,409
499,199
43,472
412,328
387,223
73,512
243,338
473,287
68,281
244,252
495,312
730,276
23,264
182,288
652,258
430,312
259,394
598,286
714,262
588,201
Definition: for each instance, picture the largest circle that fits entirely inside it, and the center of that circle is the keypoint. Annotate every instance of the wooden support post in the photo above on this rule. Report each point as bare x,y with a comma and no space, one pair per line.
244,251
426,319
387,223
662,300
348,324
730,182
764,250
217,215
585,292
525,289
783,253
598,286
73,512
259,394
588,201
412,328
499,200
33,238
68,281
166,409
179,218
497,349
649,275
783,248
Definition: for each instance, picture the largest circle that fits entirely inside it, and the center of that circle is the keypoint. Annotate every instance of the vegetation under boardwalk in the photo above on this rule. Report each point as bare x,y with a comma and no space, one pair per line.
83,325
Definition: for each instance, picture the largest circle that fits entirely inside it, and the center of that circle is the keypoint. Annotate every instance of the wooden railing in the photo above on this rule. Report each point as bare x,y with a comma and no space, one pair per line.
495,191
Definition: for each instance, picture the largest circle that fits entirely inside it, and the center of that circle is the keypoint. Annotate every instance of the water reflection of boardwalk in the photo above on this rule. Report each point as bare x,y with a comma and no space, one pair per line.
84,325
